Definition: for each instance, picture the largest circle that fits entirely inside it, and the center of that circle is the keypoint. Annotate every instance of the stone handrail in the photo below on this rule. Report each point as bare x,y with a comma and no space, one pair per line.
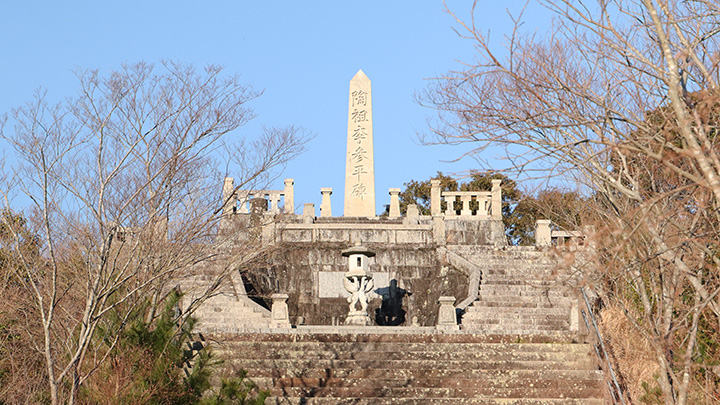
471,270
488,203
546,236
482,198
239,200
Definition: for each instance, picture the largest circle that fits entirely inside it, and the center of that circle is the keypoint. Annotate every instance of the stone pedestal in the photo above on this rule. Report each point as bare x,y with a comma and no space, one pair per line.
447,320
280,317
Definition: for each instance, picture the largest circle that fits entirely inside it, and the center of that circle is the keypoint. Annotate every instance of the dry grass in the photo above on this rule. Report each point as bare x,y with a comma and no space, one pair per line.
633,355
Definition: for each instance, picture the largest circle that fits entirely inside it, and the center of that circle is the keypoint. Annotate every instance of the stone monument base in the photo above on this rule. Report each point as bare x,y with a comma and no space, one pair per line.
358,318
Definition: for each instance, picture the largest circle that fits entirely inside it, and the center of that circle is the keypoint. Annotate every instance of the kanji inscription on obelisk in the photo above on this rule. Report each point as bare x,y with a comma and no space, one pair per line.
360,164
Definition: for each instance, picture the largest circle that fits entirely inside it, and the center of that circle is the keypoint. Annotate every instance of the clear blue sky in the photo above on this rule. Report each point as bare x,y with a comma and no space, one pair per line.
302,53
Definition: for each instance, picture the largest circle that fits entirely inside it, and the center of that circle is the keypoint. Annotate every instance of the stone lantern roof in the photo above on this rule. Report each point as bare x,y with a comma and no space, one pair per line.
358,250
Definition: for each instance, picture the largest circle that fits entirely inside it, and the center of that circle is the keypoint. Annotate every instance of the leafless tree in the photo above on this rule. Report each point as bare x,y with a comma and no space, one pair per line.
123,189
622,96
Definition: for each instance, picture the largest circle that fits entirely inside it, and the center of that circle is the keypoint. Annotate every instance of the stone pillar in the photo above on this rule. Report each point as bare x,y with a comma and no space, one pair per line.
435,208
360,161
543,234
280,317
325,206
228,201
289,196
394,203
309,213
465,205
447,320
496,202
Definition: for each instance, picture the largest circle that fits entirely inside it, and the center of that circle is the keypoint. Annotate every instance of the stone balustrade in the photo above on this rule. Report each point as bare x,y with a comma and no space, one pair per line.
546,236
242,201
477,204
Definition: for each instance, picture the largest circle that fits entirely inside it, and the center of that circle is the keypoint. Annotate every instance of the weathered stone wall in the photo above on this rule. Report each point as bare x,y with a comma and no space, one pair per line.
420,280
307,263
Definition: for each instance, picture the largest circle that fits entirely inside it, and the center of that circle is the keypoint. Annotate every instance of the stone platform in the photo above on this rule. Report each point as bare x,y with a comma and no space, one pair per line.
405,365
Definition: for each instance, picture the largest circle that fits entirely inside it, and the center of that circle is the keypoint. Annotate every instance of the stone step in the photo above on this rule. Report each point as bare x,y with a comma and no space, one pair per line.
489,302
253,364
351,336
421,382
478,308
515,329
520,323
245,346
522,281
510,268
506,295
466,355
496,374
570,391
436,401
520,290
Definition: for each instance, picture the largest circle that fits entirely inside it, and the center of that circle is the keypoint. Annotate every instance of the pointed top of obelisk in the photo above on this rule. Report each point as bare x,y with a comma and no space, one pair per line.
360,75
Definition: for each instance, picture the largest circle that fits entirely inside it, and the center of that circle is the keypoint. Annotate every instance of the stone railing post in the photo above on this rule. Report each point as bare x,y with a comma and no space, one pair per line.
450,199
394,203
413,215
325,205
309,213
242,198
435,208
447,320
465,205
229,201
280,317
496,202
289,196
543,234
275,198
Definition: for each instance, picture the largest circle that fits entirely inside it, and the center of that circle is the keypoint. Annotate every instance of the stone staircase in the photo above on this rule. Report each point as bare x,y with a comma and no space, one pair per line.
522,291
348,367
228,310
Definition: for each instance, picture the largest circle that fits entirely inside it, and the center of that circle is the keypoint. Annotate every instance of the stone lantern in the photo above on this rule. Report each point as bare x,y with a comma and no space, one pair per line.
359,283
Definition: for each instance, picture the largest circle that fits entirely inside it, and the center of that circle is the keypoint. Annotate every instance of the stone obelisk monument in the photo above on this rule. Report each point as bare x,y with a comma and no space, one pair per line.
360,164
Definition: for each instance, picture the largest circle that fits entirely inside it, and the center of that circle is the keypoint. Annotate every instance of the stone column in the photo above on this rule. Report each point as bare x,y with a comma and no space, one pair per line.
360,161
325,206
280,317
435,208
289,196
543,234
496,203
447,320
228,200
394,203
